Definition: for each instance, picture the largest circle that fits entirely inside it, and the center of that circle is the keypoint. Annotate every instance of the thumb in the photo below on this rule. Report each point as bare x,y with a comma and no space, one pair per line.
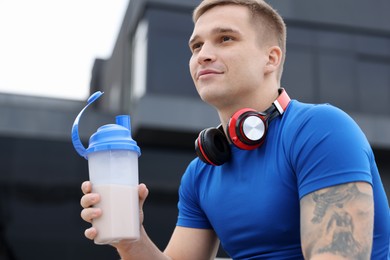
143,194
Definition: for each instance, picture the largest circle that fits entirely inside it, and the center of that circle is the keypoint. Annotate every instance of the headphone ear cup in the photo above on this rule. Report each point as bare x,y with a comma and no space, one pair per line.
246,129
212,147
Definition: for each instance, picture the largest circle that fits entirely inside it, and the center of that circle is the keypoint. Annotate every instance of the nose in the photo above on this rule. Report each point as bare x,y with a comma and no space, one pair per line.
206,54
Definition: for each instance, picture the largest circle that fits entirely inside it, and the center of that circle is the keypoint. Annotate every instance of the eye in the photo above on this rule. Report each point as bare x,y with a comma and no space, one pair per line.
226,38
196,46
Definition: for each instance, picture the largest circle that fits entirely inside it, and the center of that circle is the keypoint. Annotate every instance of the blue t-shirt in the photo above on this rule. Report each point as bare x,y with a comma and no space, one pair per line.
252,201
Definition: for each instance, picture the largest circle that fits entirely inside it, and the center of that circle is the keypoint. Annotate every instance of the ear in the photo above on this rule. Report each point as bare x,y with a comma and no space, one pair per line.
274,59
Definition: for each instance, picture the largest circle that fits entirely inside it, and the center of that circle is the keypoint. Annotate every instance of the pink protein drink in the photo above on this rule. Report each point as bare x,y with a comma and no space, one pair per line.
117,221
113,170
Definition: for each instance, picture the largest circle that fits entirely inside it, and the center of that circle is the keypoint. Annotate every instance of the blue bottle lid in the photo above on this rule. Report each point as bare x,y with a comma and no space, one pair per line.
108,137
113,137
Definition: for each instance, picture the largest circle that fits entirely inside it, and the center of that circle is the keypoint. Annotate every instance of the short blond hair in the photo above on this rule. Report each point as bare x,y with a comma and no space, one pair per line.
268,19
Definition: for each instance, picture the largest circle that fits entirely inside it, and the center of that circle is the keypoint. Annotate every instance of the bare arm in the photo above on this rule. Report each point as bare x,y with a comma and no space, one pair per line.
192,244
185,243
337,222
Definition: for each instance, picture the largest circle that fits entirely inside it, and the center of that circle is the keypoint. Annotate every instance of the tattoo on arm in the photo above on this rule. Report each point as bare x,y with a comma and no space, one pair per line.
335,196
337,222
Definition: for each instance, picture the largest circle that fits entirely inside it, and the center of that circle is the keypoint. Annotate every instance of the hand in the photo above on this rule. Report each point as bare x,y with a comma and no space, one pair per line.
90,199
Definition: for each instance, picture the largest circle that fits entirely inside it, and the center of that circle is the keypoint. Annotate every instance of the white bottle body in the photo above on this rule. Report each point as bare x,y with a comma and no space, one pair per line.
114,176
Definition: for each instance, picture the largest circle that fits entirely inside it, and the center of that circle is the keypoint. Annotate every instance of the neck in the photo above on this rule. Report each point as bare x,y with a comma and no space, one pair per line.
259,102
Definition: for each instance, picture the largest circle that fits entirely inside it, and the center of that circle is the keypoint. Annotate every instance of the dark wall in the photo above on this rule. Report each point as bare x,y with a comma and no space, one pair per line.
40,193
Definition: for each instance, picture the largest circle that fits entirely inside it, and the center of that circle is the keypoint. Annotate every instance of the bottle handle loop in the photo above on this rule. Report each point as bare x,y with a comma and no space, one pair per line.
77,144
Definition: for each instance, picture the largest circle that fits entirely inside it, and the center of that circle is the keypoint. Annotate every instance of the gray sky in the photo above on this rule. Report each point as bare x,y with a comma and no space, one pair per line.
47,47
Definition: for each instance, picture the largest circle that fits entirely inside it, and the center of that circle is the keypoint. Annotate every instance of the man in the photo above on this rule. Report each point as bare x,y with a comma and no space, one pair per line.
297,181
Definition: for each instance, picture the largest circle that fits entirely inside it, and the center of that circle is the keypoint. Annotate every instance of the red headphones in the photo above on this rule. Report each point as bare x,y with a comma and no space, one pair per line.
246,129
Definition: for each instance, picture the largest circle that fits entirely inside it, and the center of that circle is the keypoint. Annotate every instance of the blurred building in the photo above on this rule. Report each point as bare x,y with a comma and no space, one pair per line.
338,52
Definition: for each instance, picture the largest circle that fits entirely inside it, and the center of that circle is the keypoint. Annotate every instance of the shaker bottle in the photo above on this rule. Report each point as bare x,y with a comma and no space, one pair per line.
112,157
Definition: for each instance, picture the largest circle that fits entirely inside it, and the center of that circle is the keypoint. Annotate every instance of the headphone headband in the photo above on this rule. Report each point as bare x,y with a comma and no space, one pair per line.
282,101
279,105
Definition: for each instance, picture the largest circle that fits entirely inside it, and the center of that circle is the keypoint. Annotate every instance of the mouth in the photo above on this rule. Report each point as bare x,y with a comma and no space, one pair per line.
207,72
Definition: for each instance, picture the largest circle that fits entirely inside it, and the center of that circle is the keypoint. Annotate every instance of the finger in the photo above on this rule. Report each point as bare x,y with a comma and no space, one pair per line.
89,200
89,214
90,233
143,194
86,187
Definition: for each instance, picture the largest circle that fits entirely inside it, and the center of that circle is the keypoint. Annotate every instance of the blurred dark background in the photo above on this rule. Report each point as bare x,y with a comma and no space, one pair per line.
338,52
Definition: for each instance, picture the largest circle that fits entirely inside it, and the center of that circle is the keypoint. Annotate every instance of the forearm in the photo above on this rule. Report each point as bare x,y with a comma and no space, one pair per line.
143,248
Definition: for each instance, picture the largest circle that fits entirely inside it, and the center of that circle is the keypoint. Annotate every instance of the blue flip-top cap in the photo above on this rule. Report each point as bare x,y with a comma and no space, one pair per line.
108,137
113,137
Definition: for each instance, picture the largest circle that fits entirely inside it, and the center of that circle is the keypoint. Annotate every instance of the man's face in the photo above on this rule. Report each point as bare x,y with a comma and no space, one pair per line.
227,61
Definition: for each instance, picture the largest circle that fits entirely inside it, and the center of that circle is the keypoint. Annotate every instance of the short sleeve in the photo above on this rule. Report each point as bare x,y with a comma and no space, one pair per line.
190,211
329,149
